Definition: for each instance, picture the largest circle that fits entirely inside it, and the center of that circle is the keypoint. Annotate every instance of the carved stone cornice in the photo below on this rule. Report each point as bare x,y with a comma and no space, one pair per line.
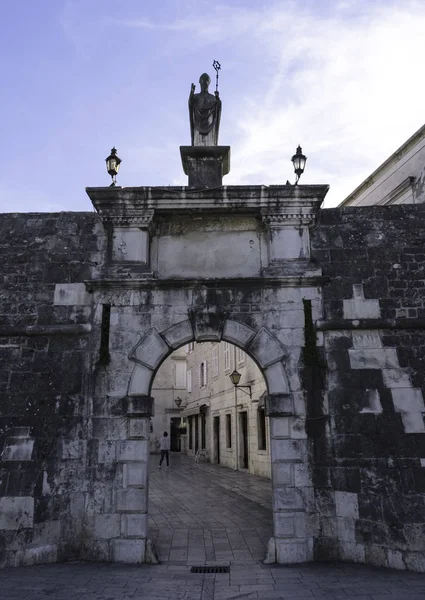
288,216
120,215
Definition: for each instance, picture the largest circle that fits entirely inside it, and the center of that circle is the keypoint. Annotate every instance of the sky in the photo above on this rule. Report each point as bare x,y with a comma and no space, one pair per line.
342,78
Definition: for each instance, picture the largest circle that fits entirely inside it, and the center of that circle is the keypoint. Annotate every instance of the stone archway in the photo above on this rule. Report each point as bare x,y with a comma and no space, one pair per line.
183,264
292,542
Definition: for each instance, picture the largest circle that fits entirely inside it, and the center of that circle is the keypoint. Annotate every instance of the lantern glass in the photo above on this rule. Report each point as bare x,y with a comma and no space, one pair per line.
113,163
235,377
299,161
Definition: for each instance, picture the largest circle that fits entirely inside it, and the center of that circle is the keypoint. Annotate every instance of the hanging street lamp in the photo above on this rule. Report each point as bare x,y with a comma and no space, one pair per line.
113,165
235,378
299,161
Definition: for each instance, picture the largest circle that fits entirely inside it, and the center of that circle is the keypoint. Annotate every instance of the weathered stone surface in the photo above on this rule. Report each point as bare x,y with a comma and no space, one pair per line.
129,551
16,513
357,393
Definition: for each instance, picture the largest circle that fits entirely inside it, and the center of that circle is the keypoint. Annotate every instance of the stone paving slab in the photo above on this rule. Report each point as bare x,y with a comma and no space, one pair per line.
250,580
202,512
189,503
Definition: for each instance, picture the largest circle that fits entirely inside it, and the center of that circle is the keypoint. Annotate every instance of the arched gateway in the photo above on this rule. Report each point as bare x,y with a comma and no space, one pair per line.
205,262
183,264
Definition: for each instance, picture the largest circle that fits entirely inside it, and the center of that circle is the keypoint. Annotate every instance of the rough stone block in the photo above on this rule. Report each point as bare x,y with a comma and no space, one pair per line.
110,428
47,533
17,449
292,552
362,339
347,505
266,349
16,512
135,474
140,406
284,525
288,499
138,428
237,333
352,552
413,422
302,475
131,500
361,309
408,399
396,378
134,526
40,555
132,450
288,450
107,526
384,358
178,334
395,560
276,379
279,405
151,350
71,294
130,244
107,452
282,474
140,381
279,427
346,530
73,449
129,551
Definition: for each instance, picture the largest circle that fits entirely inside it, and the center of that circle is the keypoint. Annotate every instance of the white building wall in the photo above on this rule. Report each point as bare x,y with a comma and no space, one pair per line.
398,180
169,384
216,396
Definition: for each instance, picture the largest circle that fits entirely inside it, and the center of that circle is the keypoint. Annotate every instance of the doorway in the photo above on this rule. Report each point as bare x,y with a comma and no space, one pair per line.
175,442
243,422
216,441
196,433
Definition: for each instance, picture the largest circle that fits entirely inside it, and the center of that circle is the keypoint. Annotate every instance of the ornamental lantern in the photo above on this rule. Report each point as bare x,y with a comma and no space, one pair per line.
112,165
299,161
235,377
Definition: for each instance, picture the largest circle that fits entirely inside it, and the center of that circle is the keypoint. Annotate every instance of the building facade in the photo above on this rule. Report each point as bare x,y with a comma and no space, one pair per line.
226,422
399,180
169,390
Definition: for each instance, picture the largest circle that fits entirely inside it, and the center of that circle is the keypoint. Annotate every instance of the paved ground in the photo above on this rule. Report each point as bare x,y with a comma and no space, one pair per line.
202,513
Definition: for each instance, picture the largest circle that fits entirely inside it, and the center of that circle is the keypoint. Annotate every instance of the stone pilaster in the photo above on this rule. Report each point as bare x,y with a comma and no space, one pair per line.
292,541
131,500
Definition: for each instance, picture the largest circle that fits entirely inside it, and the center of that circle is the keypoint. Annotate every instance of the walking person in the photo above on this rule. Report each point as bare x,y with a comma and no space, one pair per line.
164,445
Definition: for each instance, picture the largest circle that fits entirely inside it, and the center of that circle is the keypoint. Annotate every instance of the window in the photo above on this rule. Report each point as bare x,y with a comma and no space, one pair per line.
180,374
226,356
215,361
203,430
189,381
240,356
190,347
203,374
261,425
190,421
228,431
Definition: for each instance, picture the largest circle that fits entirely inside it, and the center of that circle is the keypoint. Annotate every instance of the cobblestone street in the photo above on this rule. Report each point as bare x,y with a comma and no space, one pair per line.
207,514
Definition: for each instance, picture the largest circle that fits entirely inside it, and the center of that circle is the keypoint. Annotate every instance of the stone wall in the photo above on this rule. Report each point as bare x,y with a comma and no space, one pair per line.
344,379
368,429
43,391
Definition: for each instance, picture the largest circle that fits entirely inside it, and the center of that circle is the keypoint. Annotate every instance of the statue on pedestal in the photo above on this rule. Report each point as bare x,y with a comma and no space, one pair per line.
204,113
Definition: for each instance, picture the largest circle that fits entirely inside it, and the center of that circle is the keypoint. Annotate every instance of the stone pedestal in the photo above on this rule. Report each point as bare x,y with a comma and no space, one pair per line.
205,165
